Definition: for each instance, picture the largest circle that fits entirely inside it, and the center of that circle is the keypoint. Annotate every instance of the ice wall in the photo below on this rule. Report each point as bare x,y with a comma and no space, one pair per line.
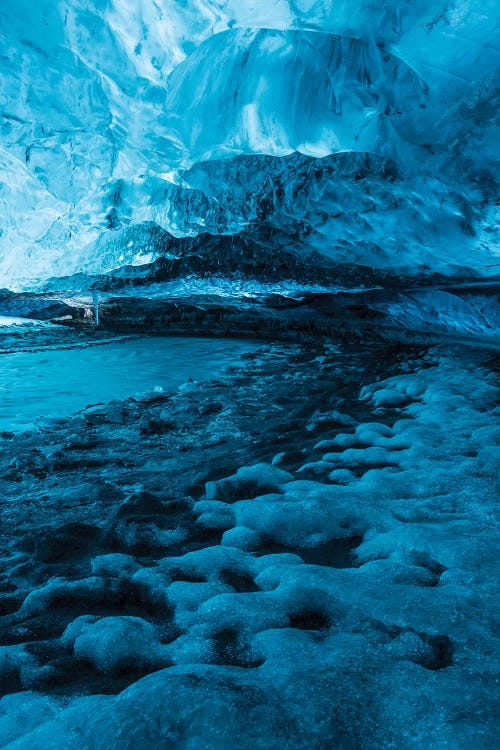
365,131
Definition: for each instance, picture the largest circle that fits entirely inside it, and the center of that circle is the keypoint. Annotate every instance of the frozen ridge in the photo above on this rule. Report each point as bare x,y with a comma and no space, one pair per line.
340,593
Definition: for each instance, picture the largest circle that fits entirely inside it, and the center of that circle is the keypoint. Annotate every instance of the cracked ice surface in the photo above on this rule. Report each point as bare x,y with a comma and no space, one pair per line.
117,115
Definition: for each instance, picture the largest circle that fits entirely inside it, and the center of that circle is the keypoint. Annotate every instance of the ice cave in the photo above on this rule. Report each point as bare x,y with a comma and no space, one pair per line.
249,374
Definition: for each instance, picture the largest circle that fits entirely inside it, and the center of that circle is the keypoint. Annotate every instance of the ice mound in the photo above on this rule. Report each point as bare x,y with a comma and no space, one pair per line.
248,482
115,643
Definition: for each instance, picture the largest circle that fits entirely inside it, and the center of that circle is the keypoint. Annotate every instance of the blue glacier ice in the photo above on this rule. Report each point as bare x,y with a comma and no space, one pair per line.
249,359
379,120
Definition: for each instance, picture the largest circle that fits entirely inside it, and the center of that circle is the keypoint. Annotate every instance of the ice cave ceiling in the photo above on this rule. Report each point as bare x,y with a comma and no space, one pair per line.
358,131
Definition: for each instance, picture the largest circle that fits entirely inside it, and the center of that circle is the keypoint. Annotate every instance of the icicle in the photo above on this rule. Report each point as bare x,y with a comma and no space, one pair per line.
95,298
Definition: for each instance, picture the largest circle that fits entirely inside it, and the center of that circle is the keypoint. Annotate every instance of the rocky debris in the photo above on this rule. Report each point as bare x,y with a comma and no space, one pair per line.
111,413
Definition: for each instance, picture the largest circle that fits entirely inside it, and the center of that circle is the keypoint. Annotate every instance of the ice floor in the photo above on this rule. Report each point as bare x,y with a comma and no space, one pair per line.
299,554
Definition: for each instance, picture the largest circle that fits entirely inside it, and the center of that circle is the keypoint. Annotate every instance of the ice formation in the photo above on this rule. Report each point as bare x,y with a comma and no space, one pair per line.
365,131
283,536
340,593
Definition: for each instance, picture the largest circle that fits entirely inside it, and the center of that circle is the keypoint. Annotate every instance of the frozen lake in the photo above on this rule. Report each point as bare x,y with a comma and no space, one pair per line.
57,383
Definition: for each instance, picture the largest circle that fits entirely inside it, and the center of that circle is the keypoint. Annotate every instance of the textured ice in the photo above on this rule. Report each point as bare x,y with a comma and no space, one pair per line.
115,643
332,614
118,118
290,546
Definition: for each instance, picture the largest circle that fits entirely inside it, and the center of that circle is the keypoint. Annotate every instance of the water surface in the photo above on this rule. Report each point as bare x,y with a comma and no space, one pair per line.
57,383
